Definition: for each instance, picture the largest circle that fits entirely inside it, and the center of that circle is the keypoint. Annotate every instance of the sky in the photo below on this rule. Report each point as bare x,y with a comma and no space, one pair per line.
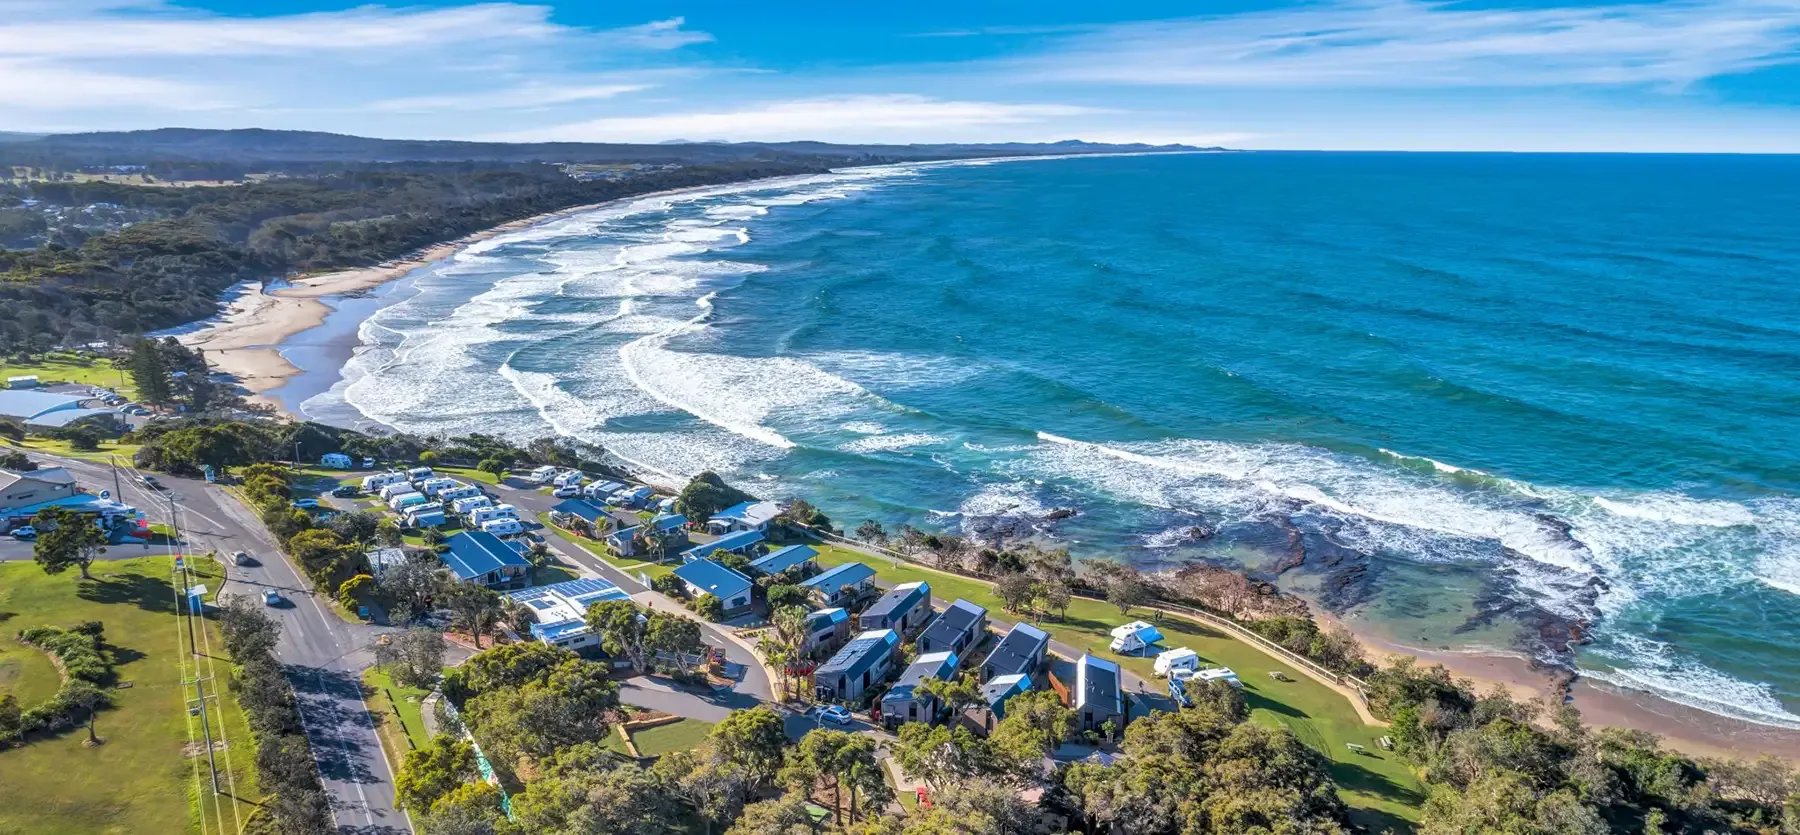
1527,75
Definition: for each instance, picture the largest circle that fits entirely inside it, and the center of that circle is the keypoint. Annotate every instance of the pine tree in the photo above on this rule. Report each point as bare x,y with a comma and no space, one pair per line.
150,371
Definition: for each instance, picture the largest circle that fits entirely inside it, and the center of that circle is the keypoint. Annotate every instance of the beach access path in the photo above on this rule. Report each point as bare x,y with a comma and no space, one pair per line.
324,655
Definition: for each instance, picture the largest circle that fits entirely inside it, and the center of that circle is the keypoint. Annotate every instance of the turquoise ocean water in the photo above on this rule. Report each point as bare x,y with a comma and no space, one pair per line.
1474,397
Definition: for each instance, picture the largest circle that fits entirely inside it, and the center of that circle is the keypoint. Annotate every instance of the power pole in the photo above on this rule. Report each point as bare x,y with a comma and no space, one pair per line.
118,489
198,704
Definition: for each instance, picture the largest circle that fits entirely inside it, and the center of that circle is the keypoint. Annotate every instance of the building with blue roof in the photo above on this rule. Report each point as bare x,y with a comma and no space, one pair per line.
903,702
733,543
561,610
42,408
709,577
481,557
782,559
958,629
841,585
624,540
825,630
671,528
744,516
861,664
994,695
1022,651
582,509
904,609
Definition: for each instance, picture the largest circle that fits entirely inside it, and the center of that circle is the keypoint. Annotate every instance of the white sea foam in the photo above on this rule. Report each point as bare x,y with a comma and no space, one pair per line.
890,443
1657,667
1002,500
1679,510
864,427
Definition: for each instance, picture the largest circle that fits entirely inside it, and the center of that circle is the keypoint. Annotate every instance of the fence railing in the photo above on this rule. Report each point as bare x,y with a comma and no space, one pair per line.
1236,629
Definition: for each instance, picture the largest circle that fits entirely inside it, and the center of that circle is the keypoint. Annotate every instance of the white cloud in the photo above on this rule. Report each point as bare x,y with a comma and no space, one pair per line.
893,118
1410,44
522,97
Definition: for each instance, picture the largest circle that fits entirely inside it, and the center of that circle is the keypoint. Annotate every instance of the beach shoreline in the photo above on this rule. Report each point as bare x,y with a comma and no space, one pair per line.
1689,730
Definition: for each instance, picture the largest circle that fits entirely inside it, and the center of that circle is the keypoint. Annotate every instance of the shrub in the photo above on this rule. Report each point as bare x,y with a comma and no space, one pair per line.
710,607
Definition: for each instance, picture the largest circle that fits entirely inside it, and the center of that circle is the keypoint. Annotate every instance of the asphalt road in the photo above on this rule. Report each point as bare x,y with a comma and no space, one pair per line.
323,654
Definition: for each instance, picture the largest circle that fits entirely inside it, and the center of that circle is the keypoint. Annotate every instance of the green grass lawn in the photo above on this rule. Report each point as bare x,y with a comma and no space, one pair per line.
108,449
71,368
26,672
1376,785
401,731
552,572
675,736
468,473
140,780
599,549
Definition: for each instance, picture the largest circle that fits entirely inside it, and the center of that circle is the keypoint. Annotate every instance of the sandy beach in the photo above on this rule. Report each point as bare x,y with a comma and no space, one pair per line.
1685,729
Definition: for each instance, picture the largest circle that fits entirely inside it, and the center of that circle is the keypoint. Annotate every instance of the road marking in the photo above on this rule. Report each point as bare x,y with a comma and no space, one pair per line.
344,746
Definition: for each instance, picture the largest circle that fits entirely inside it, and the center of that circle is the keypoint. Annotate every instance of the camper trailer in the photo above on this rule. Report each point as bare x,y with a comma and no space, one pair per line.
1176,659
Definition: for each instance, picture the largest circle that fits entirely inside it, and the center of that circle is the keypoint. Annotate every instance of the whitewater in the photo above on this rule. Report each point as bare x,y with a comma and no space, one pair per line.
1462,372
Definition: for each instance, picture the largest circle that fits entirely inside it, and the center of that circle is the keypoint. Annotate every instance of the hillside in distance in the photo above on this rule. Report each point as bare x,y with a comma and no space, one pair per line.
260,145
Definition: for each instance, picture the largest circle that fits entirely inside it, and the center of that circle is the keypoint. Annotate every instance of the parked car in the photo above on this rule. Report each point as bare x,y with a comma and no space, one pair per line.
570,492
271,597
151,482
241,558
835,715
306,504
347,491
26,533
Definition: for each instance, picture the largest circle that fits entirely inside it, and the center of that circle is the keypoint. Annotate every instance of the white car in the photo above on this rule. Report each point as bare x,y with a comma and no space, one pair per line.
27,532
569,492
835,715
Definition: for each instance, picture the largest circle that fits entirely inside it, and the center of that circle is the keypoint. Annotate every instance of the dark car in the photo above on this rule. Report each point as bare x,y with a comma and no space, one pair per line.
151,482
347,491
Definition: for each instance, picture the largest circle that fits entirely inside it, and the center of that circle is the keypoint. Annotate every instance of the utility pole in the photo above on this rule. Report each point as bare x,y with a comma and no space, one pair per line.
118,490
198,704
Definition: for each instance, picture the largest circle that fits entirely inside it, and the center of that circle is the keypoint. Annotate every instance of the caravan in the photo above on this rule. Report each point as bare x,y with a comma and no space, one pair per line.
1134,638
482,515
377,481
1168,663
466,505
541,475
502,527
568,478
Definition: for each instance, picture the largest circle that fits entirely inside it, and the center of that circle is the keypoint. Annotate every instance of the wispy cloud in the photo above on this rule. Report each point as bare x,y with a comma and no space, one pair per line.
843,118
521,97
1410,44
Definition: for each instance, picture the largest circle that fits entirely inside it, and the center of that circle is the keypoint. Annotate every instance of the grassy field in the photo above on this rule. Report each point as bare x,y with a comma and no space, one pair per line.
402,730
1383,790
108,449
71,368
675,736
26,672
140,780
467,474
599,549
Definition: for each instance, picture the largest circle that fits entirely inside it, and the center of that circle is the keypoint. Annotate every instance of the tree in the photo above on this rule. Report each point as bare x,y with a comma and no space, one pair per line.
1054,597
786,815
416,656
11,725
953,693
870,531
473,608
357,526
1036,723
1124,584
85,697
941,756
149,368
407,586
709,606
782,596
428,458
624,800
431,772
469,809
980,806
352,590
1218,695
66,538
1014,590
321,553
519,728
751,740
620,625
706,495
505,666
494,467
674,635
16,461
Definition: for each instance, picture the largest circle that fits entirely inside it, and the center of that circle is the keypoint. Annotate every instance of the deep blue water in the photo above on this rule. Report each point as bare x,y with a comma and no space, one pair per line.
1566,381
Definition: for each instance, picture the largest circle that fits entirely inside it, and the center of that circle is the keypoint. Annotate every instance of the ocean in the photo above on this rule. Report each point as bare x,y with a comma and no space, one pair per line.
1462,400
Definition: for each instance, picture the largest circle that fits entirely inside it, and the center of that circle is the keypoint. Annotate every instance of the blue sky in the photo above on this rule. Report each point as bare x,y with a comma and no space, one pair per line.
1722,75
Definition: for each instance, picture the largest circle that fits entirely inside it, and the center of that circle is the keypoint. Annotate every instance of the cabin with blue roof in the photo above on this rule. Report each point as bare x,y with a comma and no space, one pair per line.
1021,652
840,586
825,630
561,610
624,540
994,695
902,702
782,559
959,628
904,609
481,557
571,509
671,528
861,664
744,516
709,577
733,543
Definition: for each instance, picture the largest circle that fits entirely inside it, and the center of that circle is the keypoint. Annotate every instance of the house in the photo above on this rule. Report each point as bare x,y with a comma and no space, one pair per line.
481,557
567,511
825,629
401,501
1099,694
1134,638
709,577
1176,659
34,487
419,473
671,528
994,695
782,559
862,663
744,516
541,475
503,527
336,461
735,543
903,702
624,540
567,478
1020,652
462,507
373,483
838,586
634,497
561,610
601,490
958,629
903,609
